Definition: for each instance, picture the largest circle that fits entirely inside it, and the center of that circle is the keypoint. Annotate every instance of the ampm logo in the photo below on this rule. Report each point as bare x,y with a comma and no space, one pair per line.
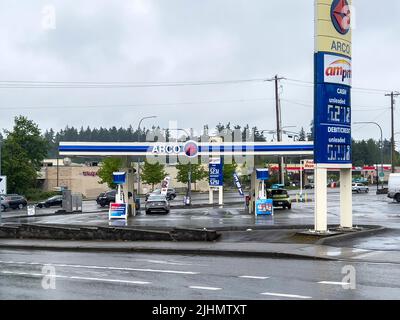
337,70
340,15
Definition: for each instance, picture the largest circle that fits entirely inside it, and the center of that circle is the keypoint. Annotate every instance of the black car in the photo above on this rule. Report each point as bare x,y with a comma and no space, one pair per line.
15,201
105,198
55,201
171,194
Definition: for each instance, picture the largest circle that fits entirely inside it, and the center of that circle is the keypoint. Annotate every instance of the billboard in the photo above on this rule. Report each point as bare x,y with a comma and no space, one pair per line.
333,80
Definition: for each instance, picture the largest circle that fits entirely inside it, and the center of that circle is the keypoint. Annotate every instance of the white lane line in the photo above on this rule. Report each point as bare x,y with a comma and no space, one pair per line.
102,268
254,277
205,288
334,283
284,295
40,275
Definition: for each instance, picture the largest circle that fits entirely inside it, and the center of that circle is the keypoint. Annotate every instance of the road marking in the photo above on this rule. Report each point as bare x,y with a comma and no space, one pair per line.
100,267
41,275
284,295
254,277
334,283
205,288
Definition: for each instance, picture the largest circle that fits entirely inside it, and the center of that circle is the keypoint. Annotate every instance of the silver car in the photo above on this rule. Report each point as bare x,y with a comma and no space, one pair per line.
359,187
157,203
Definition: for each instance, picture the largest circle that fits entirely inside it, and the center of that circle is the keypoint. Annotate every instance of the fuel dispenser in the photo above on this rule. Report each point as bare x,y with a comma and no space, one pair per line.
264,206
119,209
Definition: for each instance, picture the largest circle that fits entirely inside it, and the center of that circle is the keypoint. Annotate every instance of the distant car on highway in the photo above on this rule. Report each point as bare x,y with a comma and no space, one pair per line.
359,187
55,201
4,204
171,194
15,201
157,203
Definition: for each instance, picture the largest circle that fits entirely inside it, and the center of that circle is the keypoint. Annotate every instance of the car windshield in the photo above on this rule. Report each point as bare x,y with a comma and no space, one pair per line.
157,198
279,193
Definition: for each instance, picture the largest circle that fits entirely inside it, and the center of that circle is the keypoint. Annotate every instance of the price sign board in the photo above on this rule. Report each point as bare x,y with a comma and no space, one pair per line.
216,172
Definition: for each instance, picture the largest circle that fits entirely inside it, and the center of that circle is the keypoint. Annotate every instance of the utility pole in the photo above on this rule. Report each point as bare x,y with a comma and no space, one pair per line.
392,96
279,126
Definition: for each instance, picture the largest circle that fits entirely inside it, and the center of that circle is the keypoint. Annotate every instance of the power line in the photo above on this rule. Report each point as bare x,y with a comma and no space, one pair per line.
172,104
113,85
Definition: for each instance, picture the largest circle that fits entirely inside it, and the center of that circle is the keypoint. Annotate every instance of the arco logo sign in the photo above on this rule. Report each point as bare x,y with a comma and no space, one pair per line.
340,15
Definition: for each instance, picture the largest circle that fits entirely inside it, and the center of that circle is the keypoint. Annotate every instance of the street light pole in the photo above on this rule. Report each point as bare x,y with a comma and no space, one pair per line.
381,144
138,161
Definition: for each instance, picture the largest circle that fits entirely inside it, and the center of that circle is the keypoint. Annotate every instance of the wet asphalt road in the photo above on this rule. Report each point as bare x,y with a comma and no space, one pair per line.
170,277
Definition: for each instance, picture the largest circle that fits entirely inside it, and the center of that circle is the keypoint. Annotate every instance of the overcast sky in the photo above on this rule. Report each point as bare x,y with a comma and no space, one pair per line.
187,40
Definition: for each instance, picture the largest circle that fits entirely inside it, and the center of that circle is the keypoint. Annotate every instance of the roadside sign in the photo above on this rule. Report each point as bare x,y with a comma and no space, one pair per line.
31,210
216,173
3,185
238,184
264,207
165,185
118,211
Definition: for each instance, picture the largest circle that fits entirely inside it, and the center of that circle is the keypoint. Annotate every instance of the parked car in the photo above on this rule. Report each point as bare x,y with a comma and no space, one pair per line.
394,186
309,186
55,201
105,198
171,194
359,187
280,198
15,201
157,203
4,204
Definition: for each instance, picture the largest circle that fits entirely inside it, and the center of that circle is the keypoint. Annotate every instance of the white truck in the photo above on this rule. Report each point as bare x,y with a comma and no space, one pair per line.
394,186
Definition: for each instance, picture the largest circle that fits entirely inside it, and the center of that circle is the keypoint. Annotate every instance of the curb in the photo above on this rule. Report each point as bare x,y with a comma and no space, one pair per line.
351,235
204,252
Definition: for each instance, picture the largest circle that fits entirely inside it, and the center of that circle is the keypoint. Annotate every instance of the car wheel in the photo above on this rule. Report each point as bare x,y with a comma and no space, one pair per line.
398,198
20,206
3,208
289,207
147,211
167,212
46,206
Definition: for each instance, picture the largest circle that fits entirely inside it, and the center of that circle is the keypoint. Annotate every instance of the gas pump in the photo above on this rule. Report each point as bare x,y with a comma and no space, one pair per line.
119,209
264,206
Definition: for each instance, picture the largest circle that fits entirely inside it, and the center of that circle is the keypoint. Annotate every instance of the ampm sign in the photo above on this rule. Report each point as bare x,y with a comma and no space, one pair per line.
333,76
